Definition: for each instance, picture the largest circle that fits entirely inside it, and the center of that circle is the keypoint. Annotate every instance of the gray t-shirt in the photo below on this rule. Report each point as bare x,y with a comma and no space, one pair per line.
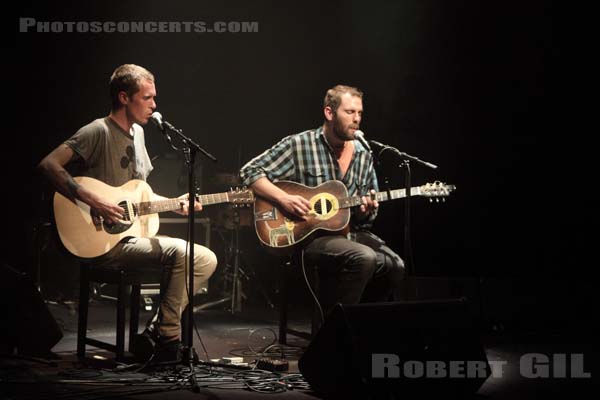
109,153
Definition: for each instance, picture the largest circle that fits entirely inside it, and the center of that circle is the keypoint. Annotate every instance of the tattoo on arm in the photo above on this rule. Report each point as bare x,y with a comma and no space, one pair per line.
70,184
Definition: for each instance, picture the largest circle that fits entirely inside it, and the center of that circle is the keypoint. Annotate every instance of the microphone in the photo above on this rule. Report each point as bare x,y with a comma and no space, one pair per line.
163,125
156,118
360,136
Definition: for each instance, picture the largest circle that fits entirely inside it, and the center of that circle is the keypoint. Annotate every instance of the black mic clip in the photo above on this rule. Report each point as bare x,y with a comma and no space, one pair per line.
162,124
164,127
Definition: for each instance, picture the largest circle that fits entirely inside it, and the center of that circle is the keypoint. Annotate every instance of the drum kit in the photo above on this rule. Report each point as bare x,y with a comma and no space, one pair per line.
228,216
228,220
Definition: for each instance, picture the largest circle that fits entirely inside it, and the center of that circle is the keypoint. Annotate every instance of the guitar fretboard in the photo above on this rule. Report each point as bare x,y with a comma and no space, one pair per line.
153,207
353,201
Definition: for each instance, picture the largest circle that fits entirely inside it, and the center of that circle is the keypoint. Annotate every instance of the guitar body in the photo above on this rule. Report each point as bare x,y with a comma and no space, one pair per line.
278,230
330,210
88,237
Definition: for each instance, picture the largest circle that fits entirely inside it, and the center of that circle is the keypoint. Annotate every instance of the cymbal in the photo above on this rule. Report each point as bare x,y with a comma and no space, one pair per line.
225,178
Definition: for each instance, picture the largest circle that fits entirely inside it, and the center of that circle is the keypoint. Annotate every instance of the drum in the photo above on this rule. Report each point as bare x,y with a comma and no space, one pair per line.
227,216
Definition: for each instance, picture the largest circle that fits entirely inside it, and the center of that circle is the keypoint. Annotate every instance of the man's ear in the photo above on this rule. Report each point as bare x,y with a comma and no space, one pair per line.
328,112
123,98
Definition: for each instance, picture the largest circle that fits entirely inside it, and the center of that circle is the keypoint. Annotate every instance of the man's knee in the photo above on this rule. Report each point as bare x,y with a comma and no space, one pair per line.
366,261
205,260
398,265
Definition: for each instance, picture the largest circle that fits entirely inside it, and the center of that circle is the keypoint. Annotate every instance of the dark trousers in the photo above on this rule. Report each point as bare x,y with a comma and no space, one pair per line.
359,269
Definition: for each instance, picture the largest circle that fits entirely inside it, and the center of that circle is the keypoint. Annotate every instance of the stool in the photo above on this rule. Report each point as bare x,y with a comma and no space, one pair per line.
294,263
124,278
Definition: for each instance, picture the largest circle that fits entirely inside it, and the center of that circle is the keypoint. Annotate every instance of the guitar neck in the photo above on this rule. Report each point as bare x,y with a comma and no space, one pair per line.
353,201
158,206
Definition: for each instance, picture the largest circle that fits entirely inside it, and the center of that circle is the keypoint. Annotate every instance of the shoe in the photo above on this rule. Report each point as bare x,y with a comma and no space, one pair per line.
166,353
142,346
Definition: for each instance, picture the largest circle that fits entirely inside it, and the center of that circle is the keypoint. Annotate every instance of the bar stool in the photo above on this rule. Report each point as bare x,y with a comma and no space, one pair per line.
124,278
291,266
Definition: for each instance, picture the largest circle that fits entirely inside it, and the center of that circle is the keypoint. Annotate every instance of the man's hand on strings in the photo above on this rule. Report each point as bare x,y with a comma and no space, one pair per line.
105,210
369,203
295,205
185,204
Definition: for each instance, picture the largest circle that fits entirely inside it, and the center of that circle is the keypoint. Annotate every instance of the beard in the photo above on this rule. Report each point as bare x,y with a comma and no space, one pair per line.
341,132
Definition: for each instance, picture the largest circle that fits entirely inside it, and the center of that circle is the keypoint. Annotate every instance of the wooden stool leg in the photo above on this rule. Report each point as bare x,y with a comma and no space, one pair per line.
121,318
283,302
84,297
134,315
316,317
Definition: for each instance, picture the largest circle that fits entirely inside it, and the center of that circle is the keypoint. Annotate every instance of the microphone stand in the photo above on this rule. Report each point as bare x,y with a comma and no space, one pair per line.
189,151
409,262
405,162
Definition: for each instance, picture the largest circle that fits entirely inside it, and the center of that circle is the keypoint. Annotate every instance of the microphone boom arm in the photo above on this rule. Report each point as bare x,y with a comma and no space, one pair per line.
400,154
164,126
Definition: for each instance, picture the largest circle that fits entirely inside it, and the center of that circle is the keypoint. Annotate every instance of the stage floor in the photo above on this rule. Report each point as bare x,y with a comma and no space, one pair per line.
252,334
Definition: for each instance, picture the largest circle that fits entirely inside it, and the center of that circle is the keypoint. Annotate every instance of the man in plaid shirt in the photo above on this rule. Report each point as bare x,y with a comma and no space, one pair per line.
354,267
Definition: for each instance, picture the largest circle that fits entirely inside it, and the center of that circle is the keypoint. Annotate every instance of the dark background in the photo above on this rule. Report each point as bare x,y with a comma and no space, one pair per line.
474,87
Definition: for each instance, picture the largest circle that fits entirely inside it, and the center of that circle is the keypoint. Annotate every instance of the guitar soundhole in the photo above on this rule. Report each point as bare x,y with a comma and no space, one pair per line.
319,207
125,223
127,215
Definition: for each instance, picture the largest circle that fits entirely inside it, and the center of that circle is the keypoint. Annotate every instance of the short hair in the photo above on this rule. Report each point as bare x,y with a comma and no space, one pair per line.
127,78
333,97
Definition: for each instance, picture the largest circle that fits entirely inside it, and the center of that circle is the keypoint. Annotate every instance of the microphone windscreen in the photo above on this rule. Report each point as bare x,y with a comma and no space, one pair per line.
157,119
358,134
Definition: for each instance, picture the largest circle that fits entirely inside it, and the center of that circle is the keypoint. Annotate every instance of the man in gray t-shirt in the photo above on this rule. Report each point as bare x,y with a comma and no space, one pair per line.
109,153
112,150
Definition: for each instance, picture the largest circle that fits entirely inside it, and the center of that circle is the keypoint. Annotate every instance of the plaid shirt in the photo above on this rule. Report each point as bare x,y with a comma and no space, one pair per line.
308,159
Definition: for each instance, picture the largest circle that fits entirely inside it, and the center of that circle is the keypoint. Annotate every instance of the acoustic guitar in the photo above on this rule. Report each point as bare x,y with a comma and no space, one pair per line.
329,210
87,236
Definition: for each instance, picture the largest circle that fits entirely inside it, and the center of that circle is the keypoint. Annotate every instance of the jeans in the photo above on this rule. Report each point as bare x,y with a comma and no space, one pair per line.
355,268
168,254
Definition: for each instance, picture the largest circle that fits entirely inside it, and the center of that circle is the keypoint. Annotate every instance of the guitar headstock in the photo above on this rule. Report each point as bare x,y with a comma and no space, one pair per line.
436,190
241,197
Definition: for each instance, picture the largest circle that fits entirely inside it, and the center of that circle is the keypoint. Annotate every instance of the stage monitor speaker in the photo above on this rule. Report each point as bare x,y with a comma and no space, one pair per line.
391,350
29,326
